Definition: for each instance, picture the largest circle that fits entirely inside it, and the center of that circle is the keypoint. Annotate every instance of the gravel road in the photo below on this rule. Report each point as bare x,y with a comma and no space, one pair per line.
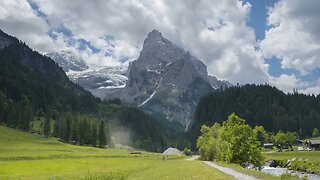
230,172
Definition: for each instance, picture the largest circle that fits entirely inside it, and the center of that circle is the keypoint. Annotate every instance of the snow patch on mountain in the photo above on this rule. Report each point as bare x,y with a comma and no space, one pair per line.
150,97
91,78
68,61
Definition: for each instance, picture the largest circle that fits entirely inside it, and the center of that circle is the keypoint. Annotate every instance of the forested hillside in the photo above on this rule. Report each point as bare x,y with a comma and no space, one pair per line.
260,105
33,86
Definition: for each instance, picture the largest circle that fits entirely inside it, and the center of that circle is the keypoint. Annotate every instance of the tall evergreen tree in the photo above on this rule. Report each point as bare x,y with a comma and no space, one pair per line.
74,131
81,132
46,127
94,134
56,128
102,135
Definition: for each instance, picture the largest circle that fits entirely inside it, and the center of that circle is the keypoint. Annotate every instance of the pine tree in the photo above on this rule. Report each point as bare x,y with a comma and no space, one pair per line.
102,135
56,128
94,134
81,132
27,117
68,129
46,127
74,131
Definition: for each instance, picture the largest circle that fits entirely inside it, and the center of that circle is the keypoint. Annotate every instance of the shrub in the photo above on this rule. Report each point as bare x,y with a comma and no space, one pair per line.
187,152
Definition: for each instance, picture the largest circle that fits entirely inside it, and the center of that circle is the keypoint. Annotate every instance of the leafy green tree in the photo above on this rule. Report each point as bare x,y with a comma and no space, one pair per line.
279,140
261,135
282,140
102,135
291,139
208,143
316,132
239,142
234,142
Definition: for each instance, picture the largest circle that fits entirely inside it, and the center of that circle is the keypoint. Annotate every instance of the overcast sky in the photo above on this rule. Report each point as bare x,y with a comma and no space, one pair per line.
249,41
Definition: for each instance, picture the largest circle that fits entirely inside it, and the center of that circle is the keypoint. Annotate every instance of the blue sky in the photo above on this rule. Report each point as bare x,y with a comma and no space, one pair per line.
258,21
268,41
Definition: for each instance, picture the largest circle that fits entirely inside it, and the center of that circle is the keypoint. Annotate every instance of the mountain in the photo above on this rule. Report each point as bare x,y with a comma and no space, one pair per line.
69,61
259,105
34,86
26,73
166,81
93,80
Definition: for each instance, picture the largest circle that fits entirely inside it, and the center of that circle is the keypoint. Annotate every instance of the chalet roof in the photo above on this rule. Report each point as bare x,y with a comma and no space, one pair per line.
313,141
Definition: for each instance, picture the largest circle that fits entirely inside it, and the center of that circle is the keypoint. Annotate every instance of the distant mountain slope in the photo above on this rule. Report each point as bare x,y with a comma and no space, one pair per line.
31,80
166,81
259,105
24,72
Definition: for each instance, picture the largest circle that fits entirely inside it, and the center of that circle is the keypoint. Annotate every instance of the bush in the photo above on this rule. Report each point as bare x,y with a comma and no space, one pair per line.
187,152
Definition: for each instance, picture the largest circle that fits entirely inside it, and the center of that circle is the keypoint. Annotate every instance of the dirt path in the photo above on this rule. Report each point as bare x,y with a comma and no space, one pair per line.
231,172
192,158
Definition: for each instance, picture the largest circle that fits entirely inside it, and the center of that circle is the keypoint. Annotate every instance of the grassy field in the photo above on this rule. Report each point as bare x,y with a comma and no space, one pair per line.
30,156
309,155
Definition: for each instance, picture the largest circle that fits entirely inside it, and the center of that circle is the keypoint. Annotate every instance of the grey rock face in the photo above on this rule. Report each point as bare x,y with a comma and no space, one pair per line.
166,80
68,61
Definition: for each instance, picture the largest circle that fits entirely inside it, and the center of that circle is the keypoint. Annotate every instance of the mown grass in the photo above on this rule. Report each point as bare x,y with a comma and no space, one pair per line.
29,156
117,168
310,155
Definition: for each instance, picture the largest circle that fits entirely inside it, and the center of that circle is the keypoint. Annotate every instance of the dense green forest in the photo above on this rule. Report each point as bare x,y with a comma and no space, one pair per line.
259,105
33,86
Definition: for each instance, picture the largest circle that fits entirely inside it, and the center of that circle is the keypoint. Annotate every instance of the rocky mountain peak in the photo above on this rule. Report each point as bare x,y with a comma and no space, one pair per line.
155,34
165,80
154,39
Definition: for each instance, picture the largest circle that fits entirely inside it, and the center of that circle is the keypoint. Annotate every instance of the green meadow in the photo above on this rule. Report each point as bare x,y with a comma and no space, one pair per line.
31,156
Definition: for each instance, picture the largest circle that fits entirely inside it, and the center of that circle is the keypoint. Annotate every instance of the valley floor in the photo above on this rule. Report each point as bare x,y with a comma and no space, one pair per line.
30,156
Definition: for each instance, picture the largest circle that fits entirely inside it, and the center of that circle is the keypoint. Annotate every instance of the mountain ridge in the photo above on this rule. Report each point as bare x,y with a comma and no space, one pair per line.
165,80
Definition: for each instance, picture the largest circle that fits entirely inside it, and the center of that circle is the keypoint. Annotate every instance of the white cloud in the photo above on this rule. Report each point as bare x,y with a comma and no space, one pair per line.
18,19
315,90
183,22
294,34
286,83
215,31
